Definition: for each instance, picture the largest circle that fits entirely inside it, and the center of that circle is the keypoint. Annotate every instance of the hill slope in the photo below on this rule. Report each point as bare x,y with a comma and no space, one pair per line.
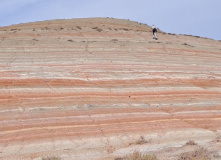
103,88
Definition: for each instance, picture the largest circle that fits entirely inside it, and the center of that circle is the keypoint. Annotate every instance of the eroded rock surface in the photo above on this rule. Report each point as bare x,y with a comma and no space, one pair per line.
103,88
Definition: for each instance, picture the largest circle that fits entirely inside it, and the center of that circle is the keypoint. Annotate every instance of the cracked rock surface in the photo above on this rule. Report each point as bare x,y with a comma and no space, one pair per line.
102,88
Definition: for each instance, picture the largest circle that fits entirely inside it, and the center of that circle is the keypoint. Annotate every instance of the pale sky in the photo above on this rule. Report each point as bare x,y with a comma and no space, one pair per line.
193,17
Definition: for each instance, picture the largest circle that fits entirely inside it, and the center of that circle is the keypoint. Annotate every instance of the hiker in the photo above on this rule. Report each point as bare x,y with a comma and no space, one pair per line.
154,32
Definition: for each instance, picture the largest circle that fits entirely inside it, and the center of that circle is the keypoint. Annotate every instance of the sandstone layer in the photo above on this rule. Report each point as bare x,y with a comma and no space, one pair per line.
101,88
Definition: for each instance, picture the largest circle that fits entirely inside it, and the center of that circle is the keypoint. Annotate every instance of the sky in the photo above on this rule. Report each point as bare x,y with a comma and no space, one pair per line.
193,17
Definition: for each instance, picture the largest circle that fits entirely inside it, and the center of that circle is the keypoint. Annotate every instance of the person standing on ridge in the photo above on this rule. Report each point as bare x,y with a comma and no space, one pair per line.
154,32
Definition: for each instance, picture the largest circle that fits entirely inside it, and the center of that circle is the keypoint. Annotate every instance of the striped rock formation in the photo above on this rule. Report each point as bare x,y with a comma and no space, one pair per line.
102,88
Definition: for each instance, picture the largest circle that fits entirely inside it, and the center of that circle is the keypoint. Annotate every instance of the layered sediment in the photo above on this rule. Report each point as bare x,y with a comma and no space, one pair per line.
103,88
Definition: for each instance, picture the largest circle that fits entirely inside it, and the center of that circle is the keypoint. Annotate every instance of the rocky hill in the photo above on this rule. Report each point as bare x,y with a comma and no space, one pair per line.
102,88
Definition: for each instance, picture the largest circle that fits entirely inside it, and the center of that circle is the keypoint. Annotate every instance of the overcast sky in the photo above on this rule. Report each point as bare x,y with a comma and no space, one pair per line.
194,17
